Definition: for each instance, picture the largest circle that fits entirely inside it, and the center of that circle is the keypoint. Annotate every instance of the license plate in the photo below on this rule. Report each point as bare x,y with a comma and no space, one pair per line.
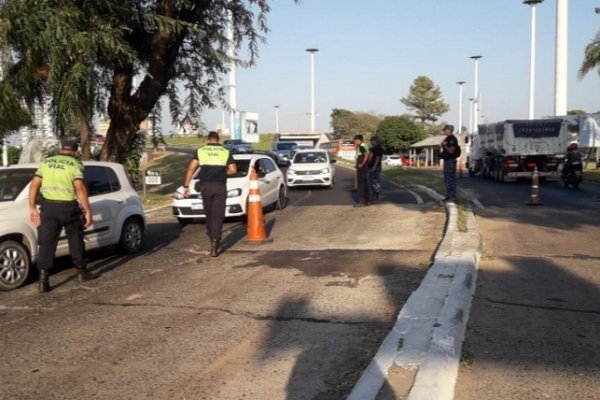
197,206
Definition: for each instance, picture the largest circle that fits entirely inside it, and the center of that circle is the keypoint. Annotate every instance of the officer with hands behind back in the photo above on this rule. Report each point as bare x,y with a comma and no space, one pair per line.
216,165
449,153
59,180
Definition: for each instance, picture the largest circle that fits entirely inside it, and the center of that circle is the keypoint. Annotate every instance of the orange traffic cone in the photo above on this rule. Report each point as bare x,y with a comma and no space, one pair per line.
535,199
257,233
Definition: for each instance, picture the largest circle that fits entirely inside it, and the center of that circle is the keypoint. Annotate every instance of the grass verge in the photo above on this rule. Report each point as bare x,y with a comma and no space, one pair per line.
172,167
416,176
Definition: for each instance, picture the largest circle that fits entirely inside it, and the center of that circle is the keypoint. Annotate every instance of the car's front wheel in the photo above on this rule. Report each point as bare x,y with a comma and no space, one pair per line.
132,236
14,265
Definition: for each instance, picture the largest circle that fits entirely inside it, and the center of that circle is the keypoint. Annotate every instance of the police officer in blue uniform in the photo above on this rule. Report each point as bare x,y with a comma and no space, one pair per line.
59,179
216,164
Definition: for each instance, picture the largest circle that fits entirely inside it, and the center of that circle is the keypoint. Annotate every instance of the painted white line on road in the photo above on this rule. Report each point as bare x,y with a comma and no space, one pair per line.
477,203
416,195
300,200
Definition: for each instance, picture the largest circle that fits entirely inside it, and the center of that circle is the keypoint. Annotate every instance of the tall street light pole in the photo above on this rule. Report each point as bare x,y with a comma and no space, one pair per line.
532,3
277,120
476,92
471,106
460,104
231,73
312,52
560,70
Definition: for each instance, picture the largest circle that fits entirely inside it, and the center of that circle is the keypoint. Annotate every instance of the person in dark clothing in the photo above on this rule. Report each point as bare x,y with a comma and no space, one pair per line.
572,159
362,171
216,164
59,180
449,154
375,166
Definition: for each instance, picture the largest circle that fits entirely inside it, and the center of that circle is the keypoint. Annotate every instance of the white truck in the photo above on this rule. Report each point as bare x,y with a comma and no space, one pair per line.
512,149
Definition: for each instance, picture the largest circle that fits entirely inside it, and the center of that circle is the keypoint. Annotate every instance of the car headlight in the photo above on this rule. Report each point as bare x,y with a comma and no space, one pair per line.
325,171
291,172
234,193
178,196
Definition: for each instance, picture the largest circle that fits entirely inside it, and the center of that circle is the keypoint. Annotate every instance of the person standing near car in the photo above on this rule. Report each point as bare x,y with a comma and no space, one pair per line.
362,171
216,164
59,180
375,166
449,153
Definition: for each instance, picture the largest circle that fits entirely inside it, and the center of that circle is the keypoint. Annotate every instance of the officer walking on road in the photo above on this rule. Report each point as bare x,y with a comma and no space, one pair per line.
59,180
216,164
449,154
362,171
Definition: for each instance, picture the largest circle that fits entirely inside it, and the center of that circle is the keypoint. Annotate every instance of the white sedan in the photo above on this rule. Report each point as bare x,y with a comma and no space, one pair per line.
270,182
311,168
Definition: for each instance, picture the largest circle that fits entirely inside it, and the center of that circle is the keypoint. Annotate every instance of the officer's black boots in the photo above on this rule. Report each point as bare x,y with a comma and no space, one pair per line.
82,275
44,284
214,248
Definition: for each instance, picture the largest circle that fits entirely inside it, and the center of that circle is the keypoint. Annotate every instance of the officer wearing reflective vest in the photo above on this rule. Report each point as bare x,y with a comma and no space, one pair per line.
59,180
216,163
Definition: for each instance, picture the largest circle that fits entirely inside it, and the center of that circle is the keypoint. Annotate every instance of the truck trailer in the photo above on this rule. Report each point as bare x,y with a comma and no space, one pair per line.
512,149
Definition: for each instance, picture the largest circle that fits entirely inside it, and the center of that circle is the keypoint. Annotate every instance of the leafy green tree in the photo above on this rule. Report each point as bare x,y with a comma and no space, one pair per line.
591,57
425,99
346,124
398,133
86,55
576,112
12,119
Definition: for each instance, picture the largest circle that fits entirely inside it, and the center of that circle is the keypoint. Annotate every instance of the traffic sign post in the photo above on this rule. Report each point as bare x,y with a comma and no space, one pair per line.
151,177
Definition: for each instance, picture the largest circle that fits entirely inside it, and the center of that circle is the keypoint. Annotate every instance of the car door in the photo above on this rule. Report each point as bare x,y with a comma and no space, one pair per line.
105,200
269,180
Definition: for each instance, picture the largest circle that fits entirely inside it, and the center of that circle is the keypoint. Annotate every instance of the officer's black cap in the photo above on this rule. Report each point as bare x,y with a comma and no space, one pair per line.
70,144
451,127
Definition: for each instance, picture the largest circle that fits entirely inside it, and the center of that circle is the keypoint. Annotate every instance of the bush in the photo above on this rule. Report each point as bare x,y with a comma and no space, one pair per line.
14,153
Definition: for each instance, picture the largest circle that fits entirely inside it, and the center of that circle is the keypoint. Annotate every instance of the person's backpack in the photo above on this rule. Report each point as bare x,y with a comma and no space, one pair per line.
457,151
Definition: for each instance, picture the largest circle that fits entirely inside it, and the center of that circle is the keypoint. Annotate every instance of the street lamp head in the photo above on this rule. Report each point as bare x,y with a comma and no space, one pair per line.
461,82
475,57
597,10
276,106
532,2
312,50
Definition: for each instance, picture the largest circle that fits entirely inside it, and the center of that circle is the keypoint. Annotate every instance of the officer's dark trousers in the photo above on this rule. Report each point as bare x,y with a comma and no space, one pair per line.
214,196
362,178
450,178
54,216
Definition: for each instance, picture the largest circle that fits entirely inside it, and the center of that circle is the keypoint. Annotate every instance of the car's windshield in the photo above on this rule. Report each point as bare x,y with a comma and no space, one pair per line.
285,145
13,181
242,169
309,158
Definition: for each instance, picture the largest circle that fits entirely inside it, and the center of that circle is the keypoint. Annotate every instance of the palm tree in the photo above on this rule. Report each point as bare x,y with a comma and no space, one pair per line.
591,59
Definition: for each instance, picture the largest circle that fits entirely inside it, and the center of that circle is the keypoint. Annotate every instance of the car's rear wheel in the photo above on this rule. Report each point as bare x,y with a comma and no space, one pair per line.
132,236
14,265
281,199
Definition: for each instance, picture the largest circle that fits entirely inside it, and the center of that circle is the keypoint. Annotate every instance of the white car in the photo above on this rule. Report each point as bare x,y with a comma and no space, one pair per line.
392,161
270,182
311,168
116,207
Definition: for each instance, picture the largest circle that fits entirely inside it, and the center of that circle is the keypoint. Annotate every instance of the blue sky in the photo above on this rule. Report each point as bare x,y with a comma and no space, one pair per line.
371,51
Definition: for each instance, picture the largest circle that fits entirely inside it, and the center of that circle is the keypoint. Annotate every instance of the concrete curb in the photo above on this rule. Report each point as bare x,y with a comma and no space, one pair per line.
430,328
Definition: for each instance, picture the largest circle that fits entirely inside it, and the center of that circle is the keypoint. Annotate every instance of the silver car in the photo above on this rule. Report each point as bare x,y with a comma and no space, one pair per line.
117,211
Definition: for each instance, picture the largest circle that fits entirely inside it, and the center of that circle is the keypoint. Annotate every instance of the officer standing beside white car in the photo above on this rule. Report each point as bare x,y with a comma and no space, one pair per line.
216,164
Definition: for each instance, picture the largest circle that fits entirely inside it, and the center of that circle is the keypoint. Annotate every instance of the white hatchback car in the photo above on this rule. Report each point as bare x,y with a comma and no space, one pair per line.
117,211
270,182
311,168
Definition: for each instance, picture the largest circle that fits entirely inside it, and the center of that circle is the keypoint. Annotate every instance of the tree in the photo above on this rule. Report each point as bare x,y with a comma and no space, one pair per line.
591,57
397,133
425,98
346,124
86,55
576,112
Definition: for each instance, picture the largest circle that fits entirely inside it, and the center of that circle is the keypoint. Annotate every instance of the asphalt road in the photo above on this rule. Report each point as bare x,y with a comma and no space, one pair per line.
298,318
534,324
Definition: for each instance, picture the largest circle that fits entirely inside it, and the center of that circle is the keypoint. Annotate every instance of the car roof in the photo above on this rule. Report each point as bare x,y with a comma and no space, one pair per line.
311,151
248,156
